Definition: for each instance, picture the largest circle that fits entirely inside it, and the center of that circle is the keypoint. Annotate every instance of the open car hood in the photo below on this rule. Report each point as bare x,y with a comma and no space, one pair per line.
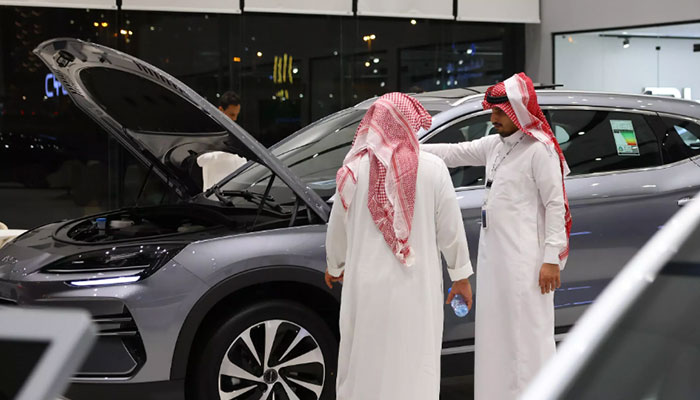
163,122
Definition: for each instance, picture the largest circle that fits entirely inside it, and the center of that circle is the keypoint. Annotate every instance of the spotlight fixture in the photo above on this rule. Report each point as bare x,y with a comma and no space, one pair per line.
626,43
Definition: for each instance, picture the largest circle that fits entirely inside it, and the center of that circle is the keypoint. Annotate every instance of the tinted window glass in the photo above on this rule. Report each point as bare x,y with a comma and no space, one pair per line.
464,131
682,139
602,141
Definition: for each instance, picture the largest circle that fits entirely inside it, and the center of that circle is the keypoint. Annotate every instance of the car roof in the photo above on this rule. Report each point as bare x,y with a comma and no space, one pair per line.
467,100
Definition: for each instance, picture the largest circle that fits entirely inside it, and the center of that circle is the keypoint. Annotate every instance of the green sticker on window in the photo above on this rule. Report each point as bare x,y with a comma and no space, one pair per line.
625,137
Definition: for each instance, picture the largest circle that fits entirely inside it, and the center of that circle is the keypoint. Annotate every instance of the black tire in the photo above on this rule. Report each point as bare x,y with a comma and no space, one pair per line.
205,374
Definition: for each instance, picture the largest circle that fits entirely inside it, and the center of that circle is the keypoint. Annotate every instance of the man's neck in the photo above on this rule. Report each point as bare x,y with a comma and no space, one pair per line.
505,135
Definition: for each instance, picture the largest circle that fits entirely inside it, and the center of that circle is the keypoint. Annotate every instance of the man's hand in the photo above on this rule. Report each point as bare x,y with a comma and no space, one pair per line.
330,279
549,278
464,288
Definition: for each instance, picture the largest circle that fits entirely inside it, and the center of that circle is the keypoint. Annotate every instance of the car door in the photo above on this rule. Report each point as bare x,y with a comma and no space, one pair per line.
620,193
619,196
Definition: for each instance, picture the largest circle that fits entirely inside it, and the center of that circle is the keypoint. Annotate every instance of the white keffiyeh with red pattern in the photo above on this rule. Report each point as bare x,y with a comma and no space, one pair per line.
387,134
516,96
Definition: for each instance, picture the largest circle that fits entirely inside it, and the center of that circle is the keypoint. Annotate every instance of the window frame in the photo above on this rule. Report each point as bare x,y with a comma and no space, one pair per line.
664,127
545,108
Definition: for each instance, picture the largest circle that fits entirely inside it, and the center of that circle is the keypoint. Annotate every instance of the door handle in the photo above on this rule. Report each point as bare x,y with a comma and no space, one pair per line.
684,201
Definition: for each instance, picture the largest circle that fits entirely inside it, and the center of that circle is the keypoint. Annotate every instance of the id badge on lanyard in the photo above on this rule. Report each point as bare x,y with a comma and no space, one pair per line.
484,208
489,183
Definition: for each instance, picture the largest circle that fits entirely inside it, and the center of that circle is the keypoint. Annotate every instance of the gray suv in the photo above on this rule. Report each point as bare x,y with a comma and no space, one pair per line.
221,295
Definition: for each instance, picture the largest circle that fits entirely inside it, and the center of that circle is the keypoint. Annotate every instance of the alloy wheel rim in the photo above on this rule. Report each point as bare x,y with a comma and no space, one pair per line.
272,360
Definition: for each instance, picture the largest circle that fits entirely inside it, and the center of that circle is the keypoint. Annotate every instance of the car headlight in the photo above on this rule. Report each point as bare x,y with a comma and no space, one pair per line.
121,264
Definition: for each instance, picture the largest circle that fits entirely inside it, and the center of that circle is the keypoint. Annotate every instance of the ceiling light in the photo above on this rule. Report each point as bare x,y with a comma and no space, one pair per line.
413,22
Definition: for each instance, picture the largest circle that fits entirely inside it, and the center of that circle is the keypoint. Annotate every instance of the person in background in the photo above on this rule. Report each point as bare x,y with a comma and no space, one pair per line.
230,104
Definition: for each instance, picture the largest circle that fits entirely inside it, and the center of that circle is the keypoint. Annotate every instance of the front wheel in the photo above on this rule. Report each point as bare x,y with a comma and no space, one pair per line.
274,350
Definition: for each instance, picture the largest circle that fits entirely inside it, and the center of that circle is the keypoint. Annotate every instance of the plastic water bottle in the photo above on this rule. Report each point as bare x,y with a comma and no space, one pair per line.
459,306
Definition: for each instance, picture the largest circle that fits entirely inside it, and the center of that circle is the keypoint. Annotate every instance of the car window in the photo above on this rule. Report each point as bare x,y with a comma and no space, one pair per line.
603,141
653,351
682,139
464,131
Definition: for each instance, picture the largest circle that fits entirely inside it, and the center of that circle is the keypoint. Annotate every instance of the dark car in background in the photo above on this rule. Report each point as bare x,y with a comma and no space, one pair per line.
221,295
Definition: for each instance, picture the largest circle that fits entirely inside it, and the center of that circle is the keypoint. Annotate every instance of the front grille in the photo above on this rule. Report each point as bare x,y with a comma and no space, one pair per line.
119,350
116,325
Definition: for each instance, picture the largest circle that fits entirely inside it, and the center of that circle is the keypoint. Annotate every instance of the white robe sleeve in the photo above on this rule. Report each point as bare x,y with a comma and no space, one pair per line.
451,238
472,153
547,173
336,239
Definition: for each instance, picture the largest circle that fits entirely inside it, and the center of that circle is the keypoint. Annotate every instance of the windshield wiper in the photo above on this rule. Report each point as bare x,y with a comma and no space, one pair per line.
253,197
220,195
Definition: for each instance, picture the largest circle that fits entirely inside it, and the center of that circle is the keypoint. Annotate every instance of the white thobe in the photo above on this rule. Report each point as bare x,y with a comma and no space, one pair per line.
391,315
525,228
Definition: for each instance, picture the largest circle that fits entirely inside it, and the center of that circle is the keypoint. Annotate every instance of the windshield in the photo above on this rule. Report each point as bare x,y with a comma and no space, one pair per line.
314,154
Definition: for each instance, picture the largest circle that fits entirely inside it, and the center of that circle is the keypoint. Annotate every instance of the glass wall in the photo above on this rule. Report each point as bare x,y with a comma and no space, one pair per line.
659,60
289,70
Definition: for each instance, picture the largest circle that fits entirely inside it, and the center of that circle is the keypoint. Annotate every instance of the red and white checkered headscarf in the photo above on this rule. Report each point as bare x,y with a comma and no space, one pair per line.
387,134
517,98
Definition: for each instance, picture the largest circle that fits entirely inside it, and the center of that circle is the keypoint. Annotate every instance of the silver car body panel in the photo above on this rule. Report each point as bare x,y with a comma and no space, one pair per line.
627,286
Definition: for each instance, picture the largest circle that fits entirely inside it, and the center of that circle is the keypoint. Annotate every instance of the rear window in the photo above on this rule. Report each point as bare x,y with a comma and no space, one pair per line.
143,105
682,139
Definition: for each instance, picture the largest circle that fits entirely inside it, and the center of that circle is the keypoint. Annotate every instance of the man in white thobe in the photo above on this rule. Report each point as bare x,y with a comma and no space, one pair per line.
524,238
395,210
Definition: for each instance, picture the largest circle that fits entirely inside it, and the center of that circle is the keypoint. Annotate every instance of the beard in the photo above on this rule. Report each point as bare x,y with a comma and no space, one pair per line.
504,132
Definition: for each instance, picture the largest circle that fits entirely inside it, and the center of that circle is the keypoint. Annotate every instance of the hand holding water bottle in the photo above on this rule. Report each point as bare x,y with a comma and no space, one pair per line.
463,289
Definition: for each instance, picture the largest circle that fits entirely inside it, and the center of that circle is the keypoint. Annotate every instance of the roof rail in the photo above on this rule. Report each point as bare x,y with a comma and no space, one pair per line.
551,86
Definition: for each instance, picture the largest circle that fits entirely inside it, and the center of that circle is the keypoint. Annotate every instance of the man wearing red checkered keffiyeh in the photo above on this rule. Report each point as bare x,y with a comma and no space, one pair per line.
395,210
524,238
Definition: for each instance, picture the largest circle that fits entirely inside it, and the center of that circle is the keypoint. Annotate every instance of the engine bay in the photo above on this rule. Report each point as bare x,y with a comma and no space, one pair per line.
186,221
